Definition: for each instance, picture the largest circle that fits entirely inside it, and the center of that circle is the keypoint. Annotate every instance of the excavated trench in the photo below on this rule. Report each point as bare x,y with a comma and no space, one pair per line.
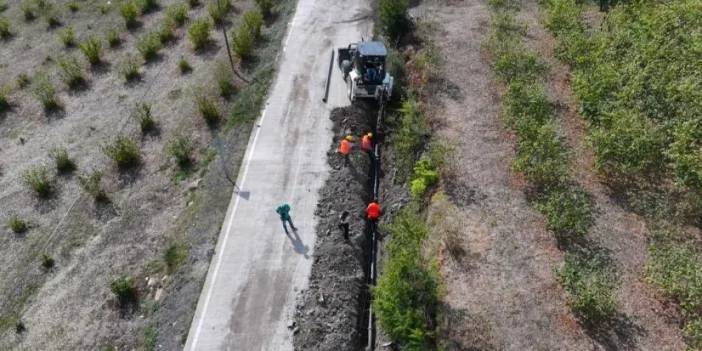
332,314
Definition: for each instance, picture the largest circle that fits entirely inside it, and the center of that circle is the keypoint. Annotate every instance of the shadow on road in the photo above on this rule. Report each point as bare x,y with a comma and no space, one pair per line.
298,245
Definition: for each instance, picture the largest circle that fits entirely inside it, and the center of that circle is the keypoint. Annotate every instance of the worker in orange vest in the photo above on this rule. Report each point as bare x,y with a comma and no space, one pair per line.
366,142
373,210
345,148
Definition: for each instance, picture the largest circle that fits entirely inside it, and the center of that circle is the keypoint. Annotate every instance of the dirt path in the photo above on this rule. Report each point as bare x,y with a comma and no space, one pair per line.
503,293
256,273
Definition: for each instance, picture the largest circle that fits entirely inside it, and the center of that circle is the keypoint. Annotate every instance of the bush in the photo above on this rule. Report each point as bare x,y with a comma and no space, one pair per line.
125,290
193,3
242,42
265,7
129,12
29,11
525,104
412,131
71,72
199,33
104,8
92,184
124,151
68,37
223,76
519,65
37,179
208,110
424,176
178,14
146,6
253,20
5,32
180,147
52,19
63,162
542,157
47,262
568,212
113,38
73,6
175,255
166,32
184,66
149,46
407,294
92,49
590,286
393,18
45,92
4,99
142,114
17,225
130,69
218,10
23,80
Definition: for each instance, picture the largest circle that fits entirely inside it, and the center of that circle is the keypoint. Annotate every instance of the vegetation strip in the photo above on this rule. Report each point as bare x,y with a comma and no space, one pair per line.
543,158
634,87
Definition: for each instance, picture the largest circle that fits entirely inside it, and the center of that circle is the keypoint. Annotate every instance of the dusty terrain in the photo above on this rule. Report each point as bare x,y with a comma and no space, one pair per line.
150,209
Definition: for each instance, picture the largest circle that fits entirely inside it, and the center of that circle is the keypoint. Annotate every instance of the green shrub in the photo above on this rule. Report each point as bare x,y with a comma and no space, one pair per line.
29,10
149,46
73,6
542,157
3,6
4,98
71,72
37,179
23,80
253,20
47,262
105,8
92,184
125,290
223,76
519,65
142,114
5,31
68,37
265,7
64,164
178,14
424,176
180,147
175,255
526,103
590,287
242,42
184,66
685,152
129,12
124,151
166,31
393,19
199,33
208,110
129,69
218,10
45,92
568,212
113,38
412,131
146,6
92,49
52,19
193,3
17,225
406,296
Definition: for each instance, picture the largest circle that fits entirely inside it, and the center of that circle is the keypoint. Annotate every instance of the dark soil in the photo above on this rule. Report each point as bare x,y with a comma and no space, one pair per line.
331,314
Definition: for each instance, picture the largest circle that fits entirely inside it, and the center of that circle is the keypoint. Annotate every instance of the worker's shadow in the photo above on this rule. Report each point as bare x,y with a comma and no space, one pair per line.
298,245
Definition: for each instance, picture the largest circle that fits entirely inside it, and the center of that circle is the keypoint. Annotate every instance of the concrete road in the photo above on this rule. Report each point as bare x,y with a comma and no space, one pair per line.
258,271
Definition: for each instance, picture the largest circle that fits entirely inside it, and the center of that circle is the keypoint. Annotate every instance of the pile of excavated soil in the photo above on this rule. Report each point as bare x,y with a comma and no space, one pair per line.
330,314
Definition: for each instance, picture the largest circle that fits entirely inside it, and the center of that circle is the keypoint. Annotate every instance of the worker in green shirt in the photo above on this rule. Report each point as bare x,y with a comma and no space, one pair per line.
284,212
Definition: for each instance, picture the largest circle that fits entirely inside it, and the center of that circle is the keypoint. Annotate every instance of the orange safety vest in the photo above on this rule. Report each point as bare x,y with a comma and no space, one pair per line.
373,211
366,143
345,147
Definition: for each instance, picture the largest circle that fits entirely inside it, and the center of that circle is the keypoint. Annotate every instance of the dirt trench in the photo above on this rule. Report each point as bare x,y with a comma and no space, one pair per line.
331,314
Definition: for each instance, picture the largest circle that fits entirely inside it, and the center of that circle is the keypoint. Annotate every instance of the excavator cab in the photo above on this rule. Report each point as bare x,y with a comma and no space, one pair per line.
365,71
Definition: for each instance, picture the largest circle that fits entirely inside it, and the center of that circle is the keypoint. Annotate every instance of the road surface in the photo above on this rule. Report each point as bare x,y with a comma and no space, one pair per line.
257,271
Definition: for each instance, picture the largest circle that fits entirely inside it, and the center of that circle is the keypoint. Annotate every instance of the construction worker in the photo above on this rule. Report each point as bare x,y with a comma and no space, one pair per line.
367,142
284,213
373,210
344,224
345,148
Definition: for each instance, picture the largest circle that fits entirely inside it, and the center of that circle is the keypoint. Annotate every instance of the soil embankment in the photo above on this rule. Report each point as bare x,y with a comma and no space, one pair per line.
330,314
